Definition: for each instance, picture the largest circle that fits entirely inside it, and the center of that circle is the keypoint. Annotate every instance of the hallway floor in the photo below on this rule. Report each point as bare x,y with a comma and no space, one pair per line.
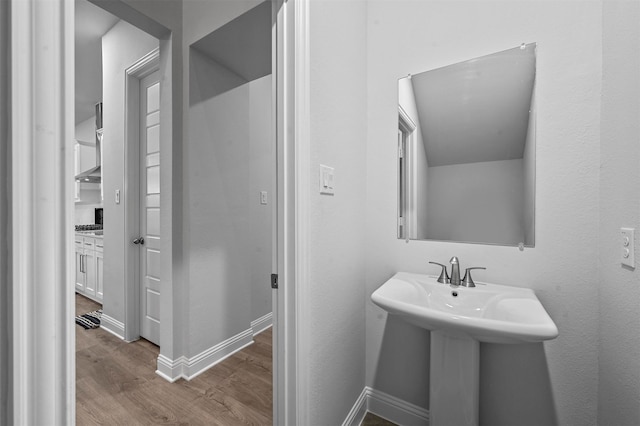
116,384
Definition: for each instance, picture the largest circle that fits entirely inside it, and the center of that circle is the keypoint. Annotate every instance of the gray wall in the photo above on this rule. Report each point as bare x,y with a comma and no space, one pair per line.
336,317
551,383
229,237
619,292
122,46
185,290
6,403
228,160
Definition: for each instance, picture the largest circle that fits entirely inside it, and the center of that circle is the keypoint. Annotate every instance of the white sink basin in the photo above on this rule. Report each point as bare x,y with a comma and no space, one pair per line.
487,313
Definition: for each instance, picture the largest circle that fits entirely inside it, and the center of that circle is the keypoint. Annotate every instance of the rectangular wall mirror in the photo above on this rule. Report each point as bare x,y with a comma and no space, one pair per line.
466,151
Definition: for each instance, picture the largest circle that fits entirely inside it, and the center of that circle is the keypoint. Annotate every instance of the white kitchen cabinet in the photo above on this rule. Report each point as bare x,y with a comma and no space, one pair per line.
80,276
89,267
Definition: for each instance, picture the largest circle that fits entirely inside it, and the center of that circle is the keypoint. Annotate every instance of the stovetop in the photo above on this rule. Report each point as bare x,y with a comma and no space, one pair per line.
88,227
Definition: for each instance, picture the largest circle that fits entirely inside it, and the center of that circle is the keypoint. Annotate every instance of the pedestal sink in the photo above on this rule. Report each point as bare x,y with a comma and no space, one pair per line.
459,318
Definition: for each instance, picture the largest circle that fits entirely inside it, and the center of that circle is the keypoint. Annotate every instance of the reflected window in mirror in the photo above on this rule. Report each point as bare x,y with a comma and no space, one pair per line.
466,151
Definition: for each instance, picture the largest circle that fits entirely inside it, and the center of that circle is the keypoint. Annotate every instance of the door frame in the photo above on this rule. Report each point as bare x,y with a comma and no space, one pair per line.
144,66
42,362
293,147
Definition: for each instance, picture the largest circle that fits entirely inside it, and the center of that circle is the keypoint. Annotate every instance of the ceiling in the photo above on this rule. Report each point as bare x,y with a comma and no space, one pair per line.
478,110
91,24
241,45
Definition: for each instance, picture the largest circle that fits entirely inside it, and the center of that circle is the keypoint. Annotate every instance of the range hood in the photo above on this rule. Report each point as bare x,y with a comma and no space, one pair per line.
94,174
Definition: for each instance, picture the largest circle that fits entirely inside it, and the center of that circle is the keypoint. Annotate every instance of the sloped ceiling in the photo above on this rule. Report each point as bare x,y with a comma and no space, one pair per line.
91,24
240,45
477,110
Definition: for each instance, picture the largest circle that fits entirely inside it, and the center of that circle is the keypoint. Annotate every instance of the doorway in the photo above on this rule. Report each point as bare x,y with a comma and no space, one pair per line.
44,35
144,263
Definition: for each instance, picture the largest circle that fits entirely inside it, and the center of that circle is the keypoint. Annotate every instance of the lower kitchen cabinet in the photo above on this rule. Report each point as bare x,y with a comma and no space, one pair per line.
89,267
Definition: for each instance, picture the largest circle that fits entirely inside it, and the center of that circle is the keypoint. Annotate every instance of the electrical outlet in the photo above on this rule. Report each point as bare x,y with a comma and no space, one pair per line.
628,253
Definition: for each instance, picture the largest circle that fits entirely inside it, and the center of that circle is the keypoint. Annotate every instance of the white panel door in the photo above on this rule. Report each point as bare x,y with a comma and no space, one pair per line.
150,208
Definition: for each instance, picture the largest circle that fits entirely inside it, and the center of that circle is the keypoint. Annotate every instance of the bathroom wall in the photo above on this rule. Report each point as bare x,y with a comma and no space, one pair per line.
619,331
121,47
336,244
487,199
551,383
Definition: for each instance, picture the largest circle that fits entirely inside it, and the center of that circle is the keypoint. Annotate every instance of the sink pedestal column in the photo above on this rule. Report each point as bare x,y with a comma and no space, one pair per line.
454,380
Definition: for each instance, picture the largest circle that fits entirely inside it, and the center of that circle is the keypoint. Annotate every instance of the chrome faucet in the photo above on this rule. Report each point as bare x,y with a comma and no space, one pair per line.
455,271
444,278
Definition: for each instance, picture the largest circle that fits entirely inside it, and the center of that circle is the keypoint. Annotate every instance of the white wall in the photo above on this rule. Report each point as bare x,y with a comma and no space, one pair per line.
477,202
85,213
336,317
122,46
86,130
550,383
619,289
261,169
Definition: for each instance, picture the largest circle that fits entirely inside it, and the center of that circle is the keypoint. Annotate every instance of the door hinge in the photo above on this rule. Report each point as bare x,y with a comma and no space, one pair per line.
274,281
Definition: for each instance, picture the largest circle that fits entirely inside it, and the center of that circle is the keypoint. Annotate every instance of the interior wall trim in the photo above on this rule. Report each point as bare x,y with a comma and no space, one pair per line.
293,145
389,407
112,325
358,411
42,386
261,324
190,367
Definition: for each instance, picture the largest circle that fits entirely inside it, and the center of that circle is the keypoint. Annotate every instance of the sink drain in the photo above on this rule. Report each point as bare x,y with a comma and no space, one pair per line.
454,293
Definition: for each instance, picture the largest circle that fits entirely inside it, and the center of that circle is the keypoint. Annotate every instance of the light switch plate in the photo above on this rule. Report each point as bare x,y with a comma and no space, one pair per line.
627,254
263,197
326,180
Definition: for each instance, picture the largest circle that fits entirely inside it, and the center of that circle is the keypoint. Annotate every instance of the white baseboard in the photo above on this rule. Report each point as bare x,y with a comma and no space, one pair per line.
358,411
112,325
188,368
388,407
262,323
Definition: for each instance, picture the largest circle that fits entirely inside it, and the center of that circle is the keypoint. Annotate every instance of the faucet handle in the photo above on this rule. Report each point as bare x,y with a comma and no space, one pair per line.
444,275
467,281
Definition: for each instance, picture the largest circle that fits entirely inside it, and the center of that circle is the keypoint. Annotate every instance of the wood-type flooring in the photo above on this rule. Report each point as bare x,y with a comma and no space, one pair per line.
116,384
373,420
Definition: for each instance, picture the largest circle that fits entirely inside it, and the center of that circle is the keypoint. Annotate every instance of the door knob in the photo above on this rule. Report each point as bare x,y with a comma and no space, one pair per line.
139,240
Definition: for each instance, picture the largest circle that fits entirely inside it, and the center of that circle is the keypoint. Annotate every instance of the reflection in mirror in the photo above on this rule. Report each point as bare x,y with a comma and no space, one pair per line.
466,151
